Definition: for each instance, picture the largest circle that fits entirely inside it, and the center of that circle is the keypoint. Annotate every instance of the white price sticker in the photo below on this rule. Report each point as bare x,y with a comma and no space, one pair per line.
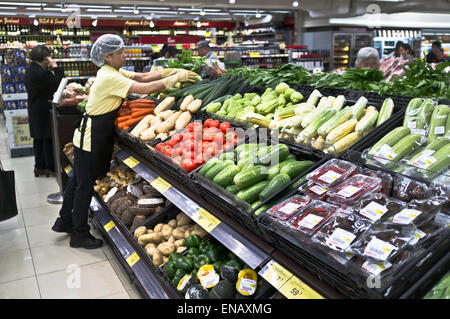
418,131
378,249
373,211
349,191
406,216
385,154
319,190
329,177
247,286
411,125
150,201
310,221
341,238
111,193
289,208
376,268
439,130
209,280
428,152
424,161
418,235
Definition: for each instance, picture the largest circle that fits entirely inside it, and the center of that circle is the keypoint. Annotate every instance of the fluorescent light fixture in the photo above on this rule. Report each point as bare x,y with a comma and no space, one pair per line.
244,14
31,4
258,15
295,4
280,11
244,11
158,12
32,8
153,8
32,15
193,9
98,10
85,6
53,9
202,13
232,1
8,8
35,22
123,10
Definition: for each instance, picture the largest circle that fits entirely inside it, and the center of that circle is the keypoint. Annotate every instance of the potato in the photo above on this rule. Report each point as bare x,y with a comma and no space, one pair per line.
149,238
151,250
149,245
166,232
166,248
171,240
172,223
181,249
183,220
201,232
184,227
165,259
149,231
140,231
187,233
179,243
158,228
178,233
157,258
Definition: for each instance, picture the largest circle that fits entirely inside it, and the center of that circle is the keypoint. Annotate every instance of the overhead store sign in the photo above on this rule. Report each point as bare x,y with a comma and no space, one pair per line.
170,39
12,20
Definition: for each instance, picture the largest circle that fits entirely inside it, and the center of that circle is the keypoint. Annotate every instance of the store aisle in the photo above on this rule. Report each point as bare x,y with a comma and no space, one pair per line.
36,262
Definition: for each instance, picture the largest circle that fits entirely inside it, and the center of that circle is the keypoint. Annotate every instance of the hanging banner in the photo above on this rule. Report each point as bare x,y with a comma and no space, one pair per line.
161,39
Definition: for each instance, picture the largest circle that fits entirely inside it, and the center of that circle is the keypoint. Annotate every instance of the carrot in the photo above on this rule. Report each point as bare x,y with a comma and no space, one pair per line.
122,125
123,119
140,112
141,101
141,105
134,120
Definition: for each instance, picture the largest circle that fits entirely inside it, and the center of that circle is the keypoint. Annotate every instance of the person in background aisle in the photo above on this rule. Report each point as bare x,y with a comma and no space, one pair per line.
41,81
171,53
204,50
436,54
396,52
369,58
94,139
406,52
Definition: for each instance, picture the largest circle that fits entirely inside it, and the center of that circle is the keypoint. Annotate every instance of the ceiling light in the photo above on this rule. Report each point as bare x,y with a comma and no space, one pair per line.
122,10
258,15
199,24
232,1
202,13
8,8
153,8
87,6
23,3
53,9
245,11
135,10
151,24
98,10
35,22
295,4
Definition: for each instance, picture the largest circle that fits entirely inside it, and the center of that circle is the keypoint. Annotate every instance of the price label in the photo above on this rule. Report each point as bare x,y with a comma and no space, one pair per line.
132,259
109,226
254,54
406,216
374,211
68,169
294,288
385,154
424,161
319,190
341,238
289,208
275,274
131,162
349,191
207,221
378,249
439,130
160,185
330,177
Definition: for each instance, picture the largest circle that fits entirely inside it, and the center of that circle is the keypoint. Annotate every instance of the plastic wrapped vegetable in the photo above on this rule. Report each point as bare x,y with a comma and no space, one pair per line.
332,173
406,189
351,190
379,207
287,208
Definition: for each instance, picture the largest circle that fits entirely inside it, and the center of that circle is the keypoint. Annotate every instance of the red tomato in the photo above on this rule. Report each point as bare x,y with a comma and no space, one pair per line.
212,130
207,136
171,143
207,123
189,145
205,146
224,127
188,164
190,127
210,151
230,135
200,159
189,155
178,160
218,138
178,150
177,137
168,151
159,146
198,135
215,123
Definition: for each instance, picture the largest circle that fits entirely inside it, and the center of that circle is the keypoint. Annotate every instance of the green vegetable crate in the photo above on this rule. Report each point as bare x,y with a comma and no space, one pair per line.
254,192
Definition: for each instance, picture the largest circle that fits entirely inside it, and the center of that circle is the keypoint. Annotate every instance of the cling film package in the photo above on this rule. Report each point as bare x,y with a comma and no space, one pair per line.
407,189
378,207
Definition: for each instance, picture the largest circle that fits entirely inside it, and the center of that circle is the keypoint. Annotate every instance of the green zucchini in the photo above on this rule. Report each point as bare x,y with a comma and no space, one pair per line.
443,160
438,122
412,111
424,117
434,146
225,177
386,111
390,139
405,146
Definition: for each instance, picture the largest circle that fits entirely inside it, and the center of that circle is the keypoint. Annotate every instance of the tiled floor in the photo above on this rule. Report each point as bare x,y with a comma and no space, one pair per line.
36,262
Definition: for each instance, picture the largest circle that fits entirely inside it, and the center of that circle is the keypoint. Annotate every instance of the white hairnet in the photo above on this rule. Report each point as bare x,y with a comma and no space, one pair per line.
366,53
107,43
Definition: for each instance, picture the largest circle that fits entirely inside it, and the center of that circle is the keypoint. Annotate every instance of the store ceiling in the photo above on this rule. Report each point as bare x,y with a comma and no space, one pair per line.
221,9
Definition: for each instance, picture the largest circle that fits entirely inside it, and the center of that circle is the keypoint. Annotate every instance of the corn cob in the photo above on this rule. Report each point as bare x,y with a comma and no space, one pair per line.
314,97
313,126
296,121
344,143
302,107
338,103
424,117
412,110
438,122
359,107
318,143
367,121
324,105
390,139
386,111
341,131
339,118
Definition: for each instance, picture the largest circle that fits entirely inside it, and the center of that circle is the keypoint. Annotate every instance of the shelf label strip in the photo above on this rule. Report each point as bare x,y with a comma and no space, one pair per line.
207,221
131,162
133,259
109,226
161,185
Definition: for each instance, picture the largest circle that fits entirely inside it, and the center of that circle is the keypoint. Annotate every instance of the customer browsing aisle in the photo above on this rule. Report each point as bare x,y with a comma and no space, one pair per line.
34,260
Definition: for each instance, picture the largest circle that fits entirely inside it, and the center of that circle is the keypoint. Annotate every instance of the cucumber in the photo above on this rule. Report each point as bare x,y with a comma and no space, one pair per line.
275,169
246,163
277,153
245,147
405,146
436,145
390,139
424,117
295,169
411,113
443,160
256,204
386,111
233,189
208,165
251,193
250,177
225,177
216,169
438,122
277,183
227,156
290,156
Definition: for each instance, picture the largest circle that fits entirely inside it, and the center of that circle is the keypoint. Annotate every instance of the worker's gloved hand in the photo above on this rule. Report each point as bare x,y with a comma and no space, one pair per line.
170,81
169,72
193,77
187,76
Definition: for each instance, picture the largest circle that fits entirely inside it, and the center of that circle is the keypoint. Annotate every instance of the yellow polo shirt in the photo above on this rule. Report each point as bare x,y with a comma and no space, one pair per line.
106,94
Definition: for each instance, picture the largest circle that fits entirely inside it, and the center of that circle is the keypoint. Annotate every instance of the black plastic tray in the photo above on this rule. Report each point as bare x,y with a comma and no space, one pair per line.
240,210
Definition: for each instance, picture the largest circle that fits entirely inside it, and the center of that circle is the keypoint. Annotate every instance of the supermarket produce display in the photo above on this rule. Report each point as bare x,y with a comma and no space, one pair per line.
306,172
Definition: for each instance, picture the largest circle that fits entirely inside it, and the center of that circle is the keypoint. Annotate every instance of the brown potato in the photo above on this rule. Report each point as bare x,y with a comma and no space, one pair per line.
171,240
183,220
201,232
157,258
172,223
181,249
165,259
150,245
178,233
187,233
166,232
158,228
150,251
149,231
166,248
149,238
179,243
140,231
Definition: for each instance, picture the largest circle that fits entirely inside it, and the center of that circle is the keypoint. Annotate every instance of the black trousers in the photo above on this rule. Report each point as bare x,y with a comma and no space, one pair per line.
43,154
78,194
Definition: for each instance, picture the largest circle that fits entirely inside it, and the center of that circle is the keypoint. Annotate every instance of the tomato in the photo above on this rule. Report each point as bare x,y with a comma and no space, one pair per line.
200,159
230,135
210,151
190,127
177,137
188,164
215,123
205,146
168,151
178,150
178,160
171,143
207,123
208,136
198,134
212,130
159,146
188,145
224,127
218,138
189,155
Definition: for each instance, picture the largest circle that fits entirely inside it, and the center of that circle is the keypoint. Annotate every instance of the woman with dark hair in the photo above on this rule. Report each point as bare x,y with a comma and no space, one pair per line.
405,52
171,53
42,80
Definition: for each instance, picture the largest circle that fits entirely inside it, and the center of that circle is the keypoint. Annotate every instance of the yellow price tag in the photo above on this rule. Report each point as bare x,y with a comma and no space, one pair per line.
294,288
132,259
207,221
131,162
161,185
276,274
68,169
109,226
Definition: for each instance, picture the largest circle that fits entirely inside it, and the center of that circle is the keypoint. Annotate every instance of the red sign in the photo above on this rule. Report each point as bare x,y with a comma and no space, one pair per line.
161,39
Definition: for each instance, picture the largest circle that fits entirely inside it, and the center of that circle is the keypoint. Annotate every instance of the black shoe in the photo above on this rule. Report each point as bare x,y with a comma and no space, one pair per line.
88,242
60,227
49,173
39,172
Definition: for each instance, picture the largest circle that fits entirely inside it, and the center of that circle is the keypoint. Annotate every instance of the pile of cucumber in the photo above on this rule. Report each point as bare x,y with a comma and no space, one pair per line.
422,141
254,172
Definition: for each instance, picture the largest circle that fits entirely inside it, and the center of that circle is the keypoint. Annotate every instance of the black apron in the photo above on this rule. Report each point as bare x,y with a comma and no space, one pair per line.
102,141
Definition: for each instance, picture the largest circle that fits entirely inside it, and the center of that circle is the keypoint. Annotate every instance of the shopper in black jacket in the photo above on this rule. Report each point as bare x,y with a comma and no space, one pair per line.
42,80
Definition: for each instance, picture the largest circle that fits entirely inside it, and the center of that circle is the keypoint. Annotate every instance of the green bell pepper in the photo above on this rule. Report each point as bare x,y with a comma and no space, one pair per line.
202,260
217,254
175,256
193,252
193,241
177,277
217,266
184,264
234,264
170,269
205,246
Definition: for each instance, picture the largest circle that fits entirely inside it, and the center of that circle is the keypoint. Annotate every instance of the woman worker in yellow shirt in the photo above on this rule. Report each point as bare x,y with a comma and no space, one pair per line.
94,139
